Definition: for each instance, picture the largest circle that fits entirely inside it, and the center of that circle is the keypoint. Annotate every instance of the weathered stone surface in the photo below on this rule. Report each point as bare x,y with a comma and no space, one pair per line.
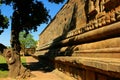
90,75
61,24
105,64
86,34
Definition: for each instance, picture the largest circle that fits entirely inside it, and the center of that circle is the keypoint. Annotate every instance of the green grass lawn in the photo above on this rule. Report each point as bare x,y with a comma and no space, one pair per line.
4,67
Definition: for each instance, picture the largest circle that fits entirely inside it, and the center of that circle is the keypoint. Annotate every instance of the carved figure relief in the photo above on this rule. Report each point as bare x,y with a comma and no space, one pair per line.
101,18
97,5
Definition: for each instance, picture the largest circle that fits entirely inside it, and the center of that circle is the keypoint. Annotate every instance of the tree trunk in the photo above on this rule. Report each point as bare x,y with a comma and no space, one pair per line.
16,69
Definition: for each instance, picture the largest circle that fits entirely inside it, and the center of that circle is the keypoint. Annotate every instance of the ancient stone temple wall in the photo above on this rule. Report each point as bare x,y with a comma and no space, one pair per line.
70,17
83,40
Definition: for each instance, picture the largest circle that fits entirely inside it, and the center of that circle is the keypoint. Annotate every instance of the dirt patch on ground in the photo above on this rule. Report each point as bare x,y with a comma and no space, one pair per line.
41,72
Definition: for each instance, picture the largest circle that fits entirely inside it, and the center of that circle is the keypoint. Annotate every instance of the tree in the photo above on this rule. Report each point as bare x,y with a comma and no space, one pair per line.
28,41
3,22
27,16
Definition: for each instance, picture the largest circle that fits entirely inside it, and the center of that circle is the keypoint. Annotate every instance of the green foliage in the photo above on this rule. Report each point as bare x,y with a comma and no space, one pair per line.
28,14
3,23
28,41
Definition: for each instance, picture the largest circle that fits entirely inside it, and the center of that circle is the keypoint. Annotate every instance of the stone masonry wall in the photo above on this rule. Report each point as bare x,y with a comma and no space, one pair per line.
72,13
83,40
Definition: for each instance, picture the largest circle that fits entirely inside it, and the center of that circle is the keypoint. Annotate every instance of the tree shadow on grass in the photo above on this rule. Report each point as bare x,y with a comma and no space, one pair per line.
3,67
3,70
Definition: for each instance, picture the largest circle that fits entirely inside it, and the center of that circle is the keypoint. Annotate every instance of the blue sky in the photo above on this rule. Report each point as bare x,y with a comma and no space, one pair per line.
7,11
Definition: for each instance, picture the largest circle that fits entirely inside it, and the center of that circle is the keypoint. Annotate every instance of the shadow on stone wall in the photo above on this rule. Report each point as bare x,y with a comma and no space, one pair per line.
47,60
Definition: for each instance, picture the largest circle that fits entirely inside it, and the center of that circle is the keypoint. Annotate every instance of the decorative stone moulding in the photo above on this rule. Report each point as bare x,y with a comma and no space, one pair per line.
95,65
103,32
106,19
